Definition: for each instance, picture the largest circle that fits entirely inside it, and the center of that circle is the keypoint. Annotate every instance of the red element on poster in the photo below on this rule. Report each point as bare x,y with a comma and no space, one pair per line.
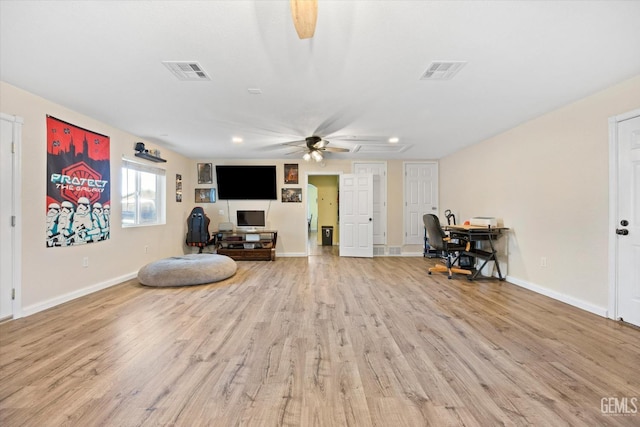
78,187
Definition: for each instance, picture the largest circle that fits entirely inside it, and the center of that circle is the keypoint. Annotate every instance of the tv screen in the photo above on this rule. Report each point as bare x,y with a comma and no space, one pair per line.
250,218
246,182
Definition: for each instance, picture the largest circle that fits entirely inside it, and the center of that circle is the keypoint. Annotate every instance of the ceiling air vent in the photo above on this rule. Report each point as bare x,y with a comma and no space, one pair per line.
187,70
442,70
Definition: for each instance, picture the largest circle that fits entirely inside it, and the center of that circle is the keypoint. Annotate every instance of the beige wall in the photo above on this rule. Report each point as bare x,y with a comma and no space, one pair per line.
548,180
53,275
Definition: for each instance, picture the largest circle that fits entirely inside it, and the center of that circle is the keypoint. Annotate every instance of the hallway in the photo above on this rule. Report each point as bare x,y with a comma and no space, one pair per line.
314,249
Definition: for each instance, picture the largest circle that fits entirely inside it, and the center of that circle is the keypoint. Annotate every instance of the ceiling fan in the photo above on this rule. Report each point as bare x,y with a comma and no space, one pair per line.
313,148
304,14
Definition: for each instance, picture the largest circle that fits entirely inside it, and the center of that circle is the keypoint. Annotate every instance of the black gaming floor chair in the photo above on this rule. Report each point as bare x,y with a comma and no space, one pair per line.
198,229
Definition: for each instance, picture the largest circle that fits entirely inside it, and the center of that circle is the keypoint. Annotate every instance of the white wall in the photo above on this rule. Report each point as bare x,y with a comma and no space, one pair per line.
548,180
53,275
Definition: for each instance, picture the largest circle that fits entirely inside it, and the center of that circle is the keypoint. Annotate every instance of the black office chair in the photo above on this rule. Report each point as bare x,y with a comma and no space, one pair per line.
438,240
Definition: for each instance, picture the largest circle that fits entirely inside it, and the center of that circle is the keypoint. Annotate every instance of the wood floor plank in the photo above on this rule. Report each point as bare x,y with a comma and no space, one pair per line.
318,341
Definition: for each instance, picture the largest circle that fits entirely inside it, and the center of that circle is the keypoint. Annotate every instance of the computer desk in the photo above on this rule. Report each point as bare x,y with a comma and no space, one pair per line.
477,233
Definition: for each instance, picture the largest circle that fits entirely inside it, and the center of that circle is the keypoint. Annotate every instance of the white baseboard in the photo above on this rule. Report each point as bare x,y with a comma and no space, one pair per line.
41,306
567,299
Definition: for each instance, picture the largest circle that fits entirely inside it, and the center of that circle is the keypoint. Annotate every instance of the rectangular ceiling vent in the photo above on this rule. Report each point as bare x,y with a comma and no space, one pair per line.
442,70
187,70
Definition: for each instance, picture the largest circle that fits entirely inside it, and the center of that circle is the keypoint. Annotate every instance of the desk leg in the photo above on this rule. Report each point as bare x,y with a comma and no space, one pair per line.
493,258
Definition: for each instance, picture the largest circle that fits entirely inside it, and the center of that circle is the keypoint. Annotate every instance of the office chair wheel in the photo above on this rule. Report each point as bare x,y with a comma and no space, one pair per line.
429,273
449,277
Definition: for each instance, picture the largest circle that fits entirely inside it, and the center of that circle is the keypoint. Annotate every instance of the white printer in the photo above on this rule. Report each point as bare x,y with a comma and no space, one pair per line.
485,221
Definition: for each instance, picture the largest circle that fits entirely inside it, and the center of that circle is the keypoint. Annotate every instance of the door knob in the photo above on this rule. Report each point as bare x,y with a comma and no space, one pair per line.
622,231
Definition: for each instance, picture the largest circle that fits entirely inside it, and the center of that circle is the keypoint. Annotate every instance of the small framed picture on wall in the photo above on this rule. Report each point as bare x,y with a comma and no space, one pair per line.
205,173
178,187
205,195
291,173
292,195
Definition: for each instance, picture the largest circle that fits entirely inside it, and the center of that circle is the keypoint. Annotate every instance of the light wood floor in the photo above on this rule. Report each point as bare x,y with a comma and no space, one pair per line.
318,341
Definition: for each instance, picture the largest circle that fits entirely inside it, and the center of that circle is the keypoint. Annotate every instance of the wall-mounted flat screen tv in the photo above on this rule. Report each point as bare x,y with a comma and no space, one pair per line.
246,182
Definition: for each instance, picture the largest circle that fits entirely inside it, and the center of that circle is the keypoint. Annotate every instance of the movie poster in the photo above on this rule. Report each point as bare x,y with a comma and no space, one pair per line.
78,186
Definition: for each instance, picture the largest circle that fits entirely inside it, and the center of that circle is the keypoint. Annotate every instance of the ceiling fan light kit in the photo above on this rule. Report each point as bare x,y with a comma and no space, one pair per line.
316,155
304,14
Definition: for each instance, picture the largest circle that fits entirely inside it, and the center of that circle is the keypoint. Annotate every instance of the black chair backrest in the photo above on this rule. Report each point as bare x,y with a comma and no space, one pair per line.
197,228
435,233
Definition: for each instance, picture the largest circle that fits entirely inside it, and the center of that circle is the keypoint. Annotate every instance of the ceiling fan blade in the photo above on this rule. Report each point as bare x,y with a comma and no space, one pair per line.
297,152
321,144
304,14
336,149
300,143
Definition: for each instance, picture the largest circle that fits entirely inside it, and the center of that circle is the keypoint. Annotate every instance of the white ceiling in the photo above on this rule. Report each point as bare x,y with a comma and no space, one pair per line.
356,82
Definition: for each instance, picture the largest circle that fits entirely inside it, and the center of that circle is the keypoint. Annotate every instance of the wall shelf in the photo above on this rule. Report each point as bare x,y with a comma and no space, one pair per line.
148,156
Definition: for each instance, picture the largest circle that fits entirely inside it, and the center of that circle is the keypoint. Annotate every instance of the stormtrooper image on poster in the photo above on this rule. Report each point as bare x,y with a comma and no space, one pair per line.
78,187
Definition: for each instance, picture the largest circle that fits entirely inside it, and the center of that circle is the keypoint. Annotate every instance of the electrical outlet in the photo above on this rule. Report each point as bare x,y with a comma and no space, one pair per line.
85,262
221,212
543,262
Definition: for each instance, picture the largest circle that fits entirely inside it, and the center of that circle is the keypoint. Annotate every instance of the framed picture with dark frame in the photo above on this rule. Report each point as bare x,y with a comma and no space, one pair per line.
292,195
291,173
205,173
178,188
205,195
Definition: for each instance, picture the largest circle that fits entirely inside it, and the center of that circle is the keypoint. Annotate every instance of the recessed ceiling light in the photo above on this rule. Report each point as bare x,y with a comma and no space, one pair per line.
254,91
236,140
394,140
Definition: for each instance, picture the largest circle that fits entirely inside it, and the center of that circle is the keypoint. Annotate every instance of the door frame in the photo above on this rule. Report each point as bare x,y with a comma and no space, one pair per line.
16,211
306,208
612,311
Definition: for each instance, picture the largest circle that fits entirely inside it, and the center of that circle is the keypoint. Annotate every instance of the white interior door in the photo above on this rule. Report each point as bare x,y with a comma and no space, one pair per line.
628,221
356,215
379,172
421,197
6,229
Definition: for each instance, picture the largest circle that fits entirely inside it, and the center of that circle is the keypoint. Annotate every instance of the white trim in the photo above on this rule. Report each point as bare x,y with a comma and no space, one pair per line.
17,212
41,306
567,299
613,209
291,255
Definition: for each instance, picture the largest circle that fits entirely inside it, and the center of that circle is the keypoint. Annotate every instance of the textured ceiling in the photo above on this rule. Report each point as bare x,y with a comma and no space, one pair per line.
356,82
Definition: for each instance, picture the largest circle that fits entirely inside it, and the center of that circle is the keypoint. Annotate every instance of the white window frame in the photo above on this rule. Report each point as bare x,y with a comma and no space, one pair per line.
159,200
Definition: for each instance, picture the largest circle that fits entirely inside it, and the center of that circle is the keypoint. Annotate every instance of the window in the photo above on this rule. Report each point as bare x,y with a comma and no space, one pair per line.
143,194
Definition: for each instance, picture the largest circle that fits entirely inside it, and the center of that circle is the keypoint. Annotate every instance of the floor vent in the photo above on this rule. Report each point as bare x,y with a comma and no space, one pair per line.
442,70
187,70
395,250
378,250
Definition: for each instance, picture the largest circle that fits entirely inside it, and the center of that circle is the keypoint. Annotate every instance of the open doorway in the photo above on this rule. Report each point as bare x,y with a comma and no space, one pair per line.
323,214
